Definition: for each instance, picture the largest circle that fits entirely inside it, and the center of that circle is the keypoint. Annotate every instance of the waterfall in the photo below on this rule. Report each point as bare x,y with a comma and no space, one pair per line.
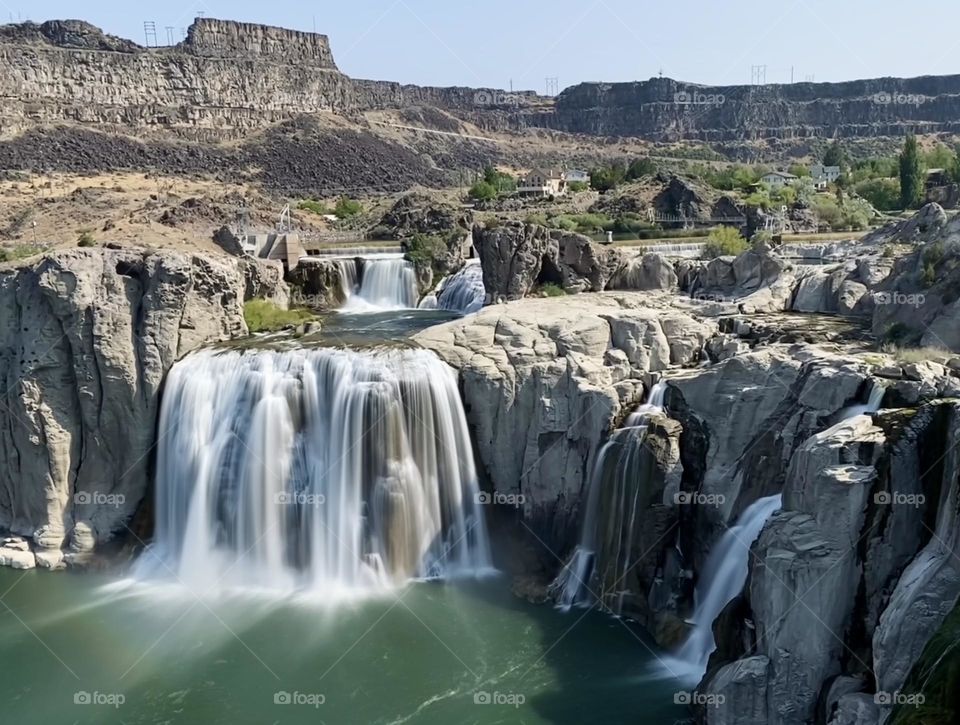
348,277
614,476
724,576
323,470
387,283
874,401
460,292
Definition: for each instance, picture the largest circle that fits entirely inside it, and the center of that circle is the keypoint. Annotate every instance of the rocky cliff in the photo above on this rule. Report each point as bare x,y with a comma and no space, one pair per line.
86,338
227,78
668,110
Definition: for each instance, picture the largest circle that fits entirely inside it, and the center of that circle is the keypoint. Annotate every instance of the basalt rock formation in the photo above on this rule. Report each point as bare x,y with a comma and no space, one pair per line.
86,339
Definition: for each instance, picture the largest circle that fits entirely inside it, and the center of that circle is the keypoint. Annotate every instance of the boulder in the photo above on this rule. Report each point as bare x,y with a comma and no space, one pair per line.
646,272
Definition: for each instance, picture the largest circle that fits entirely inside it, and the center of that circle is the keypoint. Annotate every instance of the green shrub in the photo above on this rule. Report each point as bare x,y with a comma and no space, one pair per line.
425,250
482,191
347,207
928,277
537,218
552,290
86,239
576,186
314,206
725,242
502,183
265,316
21,251
564,223
884,194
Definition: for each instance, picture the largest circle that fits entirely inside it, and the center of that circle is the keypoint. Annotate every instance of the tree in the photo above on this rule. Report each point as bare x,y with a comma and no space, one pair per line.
835,155
725,242
483,191
606,178
503,183
639,168
911,174
347,207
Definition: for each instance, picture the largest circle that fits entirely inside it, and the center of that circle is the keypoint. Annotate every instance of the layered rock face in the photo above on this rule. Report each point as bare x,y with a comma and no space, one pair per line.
855,574
226,76
669,110
544,380
86,337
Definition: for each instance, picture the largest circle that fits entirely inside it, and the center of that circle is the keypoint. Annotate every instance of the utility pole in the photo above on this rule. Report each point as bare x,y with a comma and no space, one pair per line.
552,85
758,75
150,33
170,35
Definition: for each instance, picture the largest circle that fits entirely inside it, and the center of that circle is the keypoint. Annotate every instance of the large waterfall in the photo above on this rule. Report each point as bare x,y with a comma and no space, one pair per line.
460,292
323,470
609,530
724,575
386,283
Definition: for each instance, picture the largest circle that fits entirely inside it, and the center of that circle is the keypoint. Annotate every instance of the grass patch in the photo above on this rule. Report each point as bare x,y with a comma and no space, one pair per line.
316,207
907,355
21,251
265,316
552,290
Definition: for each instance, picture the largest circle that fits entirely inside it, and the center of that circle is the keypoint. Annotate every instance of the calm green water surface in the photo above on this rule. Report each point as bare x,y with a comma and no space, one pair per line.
465,652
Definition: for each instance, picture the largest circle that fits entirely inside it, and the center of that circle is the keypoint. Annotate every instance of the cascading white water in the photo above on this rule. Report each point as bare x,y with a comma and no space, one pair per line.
613,467
387,283
348,277
323,470
874,401
724,576
461,292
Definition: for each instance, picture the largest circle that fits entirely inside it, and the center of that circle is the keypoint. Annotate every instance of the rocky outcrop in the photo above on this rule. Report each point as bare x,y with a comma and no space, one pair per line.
544,380
516,258
851,579
86,337
919,303
644,272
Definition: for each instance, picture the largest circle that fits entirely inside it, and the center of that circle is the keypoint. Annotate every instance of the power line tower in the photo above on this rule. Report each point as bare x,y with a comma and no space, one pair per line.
552,85
758,75
170,40
150,33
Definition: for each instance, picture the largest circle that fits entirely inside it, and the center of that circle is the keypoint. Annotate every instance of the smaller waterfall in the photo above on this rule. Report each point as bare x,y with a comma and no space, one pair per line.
724,576
387,283
460,292
348,277
872,405
614,469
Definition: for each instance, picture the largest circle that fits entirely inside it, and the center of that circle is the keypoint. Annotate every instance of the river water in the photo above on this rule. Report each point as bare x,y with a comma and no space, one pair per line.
426,652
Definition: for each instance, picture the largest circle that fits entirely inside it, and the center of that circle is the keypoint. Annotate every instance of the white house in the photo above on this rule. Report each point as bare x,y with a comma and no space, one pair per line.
543,182
778,179
578,175
824,175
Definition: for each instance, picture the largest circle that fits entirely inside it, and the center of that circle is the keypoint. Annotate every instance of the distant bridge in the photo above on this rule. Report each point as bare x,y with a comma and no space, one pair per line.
689,221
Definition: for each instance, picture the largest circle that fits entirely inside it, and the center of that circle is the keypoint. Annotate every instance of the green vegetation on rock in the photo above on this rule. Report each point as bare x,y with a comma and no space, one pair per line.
86,239
21,251
265,316
725,242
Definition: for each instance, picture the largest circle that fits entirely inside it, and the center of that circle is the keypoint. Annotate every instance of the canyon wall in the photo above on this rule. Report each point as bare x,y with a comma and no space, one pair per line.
227,78
668,110
86,339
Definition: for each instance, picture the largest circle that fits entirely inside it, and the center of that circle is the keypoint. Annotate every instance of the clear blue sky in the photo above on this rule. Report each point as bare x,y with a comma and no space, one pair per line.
490,42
